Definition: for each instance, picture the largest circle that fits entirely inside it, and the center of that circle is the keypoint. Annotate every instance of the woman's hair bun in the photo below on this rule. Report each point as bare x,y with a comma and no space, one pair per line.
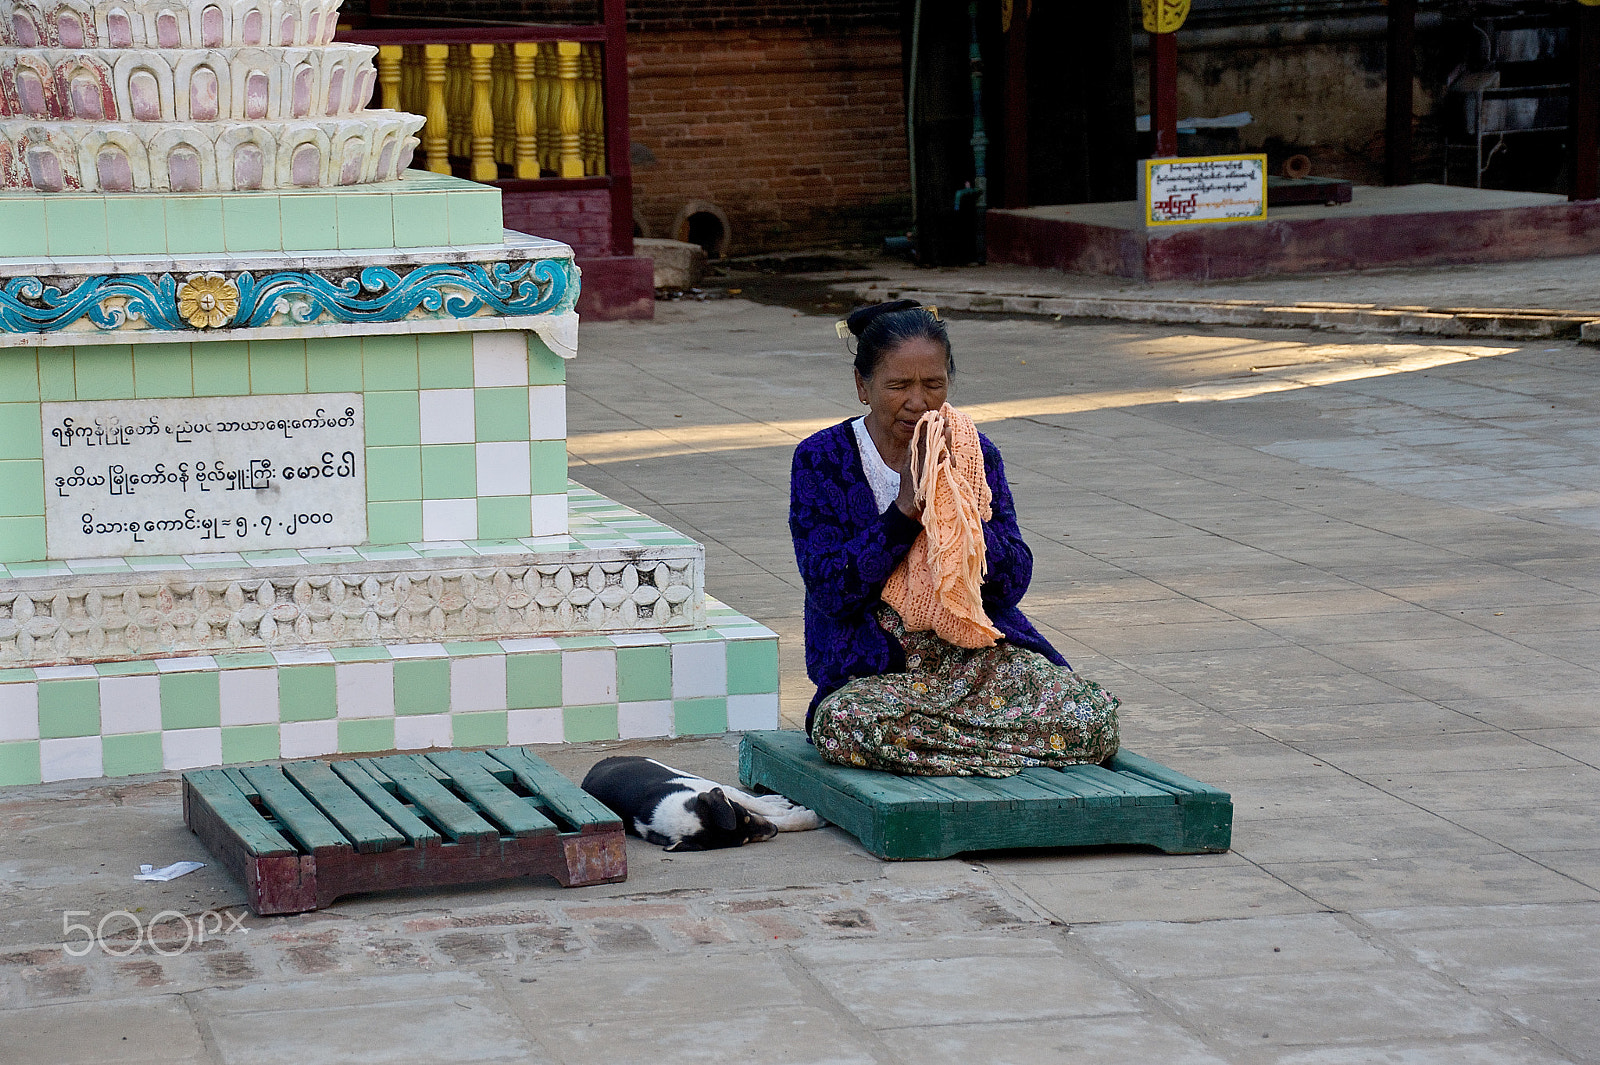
864,316
885,326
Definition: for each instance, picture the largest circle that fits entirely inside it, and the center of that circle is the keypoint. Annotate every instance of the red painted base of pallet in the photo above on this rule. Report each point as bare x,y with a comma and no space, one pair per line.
302,834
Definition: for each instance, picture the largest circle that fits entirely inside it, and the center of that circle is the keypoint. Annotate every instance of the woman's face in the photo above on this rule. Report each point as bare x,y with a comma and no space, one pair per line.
910,379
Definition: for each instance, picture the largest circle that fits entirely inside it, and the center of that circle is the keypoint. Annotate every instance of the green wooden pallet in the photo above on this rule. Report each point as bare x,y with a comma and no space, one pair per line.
1131,800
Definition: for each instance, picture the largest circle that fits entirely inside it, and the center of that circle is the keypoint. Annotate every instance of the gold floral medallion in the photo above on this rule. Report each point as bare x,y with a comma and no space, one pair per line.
207,301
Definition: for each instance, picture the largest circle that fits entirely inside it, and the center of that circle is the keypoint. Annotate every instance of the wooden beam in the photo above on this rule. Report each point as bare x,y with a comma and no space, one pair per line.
618,162
1401,69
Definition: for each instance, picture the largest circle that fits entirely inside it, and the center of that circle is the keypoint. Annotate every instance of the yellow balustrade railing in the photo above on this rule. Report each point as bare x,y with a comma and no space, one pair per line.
523,109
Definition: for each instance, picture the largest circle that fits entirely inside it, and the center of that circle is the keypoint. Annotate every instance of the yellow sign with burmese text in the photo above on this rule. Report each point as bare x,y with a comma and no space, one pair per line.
1207,188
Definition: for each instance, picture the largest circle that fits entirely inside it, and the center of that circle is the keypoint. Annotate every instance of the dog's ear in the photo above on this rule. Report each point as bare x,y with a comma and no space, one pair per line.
719,810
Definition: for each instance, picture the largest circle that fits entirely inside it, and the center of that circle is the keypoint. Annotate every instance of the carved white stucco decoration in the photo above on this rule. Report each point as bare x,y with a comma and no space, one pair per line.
560,331
190,96
64,620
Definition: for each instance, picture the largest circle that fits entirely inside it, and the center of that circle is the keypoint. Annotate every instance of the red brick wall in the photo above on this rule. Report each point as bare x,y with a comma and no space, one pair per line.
798,135
786,114
581,218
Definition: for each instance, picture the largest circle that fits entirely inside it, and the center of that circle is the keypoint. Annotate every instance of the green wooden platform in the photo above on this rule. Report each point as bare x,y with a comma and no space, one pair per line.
300,834
1132,800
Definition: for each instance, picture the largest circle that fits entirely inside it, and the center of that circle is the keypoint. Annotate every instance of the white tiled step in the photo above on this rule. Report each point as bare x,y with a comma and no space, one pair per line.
120,718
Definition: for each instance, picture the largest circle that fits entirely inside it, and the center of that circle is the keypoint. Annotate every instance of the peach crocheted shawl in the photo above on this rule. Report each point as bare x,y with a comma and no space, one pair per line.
939,584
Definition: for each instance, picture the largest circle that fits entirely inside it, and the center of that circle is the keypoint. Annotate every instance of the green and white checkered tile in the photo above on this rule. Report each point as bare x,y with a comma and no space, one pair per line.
122,718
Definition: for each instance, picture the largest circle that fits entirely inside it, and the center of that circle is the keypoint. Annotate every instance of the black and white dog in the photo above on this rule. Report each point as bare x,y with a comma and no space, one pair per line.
683,812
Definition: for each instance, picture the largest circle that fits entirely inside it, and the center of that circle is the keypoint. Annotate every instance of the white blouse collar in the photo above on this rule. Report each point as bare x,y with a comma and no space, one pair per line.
884,481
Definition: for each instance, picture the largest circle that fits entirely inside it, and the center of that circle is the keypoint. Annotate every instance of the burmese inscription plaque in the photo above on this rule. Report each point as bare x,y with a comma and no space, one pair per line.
1211,188
198,476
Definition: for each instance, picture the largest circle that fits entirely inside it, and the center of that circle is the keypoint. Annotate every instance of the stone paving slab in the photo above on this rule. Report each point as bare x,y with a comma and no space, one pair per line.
1567,1019
1581,866
422,1016
649,986
1322,1009
1543,958
918,985
149,1031
1341,836
1183,893
1456,1052
784,1036
1471,880
1081,1040
1315,942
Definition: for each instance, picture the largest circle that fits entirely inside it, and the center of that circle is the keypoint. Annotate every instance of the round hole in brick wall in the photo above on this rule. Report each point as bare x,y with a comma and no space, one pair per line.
704,223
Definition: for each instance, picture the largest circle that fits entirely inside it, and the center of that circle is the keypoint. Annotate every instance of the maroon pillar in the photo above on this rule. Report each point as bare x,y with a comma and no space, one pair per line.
1401,69
1585,135
1164,93
618,159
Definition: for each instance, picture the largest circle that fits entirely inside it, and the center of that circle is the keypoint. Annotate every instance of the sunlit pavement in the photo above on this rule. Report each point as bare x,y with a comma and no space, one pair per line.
1353,582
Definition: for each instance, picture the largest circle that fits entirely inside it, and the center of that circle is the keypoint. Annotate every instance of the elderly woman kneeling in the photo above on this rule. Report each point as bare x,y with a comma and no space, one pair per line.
888,696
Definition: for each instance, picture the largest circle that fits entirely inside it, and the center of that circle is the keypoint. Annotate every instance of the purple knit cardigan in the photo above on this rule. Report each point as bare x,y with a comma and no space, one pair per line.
847,548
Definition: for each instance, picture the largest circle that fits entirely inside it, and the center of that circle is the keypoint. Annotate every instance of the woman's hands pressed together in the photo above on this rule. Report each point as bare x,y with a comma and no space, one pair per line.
911,468
907,499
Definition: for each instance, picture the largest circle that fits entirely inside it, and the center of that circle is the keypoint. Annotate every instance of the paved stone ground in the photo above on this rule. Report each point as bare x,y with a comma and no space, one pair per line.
1354,583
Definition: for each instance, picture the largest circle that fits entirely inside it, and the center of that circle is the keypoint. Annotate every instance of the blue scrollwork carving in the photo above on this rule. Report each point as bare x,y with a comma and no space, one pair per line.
28,305
376,294
382,294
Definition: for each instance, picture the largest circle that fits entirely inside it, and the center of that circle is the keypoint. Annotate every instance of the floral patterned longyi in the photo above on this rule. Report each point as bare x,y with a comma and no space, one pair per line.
991,712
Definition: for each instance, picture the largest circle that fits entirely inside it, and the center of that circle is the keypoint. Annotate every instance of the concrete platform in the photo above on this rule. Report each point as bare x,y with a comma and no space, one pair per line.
1413,225
617,288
